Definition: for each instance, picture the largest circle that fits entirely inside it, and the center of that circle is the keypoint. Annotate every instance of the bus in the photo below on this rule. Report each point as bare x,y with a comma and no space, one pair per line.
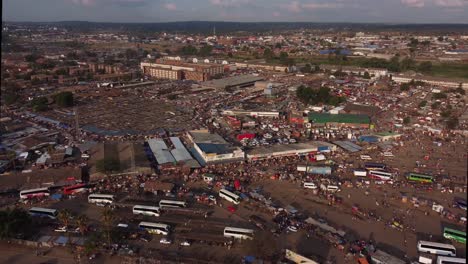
450,260
155,228
456,235
100,199
417,177
239,233
146,210
77,188
43,212
232,197
169,203
436,248
374,166
39,192
380,175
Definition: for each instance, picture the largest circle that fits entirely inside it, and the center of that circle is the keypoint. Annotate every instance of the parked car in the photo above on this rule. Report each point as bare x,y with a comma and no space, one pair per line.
185,243
292,228
165,241
231,209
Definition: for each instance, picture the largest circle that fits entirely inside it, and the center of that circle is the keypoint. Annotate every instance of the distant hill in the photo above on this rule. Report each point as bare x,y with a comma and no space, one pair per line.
228,27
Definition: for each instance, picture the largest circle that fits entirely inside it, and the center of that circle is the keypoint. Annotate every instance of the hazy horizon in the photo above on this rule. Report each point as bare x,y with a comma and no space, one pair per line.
308,11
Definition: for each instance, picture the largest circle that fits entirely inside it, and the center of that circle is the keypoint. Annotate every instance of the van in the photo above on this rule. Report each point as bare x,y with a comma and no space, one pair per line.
366,157
310,185
333,188
388,154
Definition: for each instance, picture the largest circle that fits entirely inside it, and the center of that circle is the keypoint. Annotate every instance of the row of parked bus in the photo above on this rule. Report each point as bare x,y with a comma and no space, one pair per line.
379,171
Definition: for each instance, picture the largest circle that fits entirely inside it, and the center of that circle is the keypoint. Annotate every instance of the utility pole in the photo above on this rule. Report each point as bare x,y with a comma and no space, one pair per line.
77,127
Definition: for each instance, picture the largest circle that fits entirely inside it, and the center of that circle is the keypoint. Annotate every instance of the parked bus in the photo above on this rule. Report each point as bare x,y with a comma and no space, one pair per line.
380,175
43,212
169,203
39,192
77,188
99,199
436,248
155,228
232,197
310,185
456,235
450,260
239,233
366,157
146,210
419,177
374,166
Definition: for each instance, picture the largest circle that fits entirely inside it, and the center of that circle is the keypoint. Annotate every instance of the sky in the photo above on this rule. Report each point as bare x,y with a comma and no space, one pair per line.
385,11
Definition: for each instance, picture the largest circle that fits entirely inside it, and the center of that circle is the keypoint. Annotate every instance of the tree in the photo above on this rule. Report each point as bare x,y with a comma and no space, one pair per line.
64,217
108,165
422,104
64,99
404,87
407,64
278,45
316,68
366,75
10,98
15,223
107,218
435,105
268,54
440,39
284,58
205,50
425,66
172,96
452,122
82,223
230,55
131,53
406,120
62,71
31,57
39,104
437,96
189,50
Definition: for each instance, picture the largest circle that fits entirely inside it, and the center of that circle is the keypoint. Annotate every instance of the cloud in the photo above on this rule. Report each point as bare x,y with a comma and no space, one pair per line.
321,5
442,3
170,6
229,3
451,3
414,3
294,6
89,3
297,7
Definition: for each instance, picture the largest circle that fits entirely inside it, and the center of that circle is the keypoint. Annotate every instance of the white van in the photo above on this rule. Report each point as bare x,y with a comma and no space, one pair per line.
333,188
366,157
310,185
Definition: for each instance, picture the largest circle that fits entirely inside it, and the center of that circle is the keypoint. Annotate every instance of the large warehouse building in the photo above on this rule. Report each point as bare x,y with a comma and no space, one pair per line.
273,151
212,148
177,70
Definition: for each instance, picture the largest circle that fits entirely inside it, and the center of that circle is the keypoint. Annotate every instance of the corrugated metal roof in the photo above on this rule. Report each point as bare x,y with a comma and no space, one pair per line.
339,118
160,151
348,145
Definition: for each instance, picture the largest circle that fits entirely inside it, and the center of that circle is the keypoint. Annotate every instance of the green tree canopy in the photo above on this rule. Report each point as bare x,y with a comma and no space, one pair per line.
108,165
14,223
64,99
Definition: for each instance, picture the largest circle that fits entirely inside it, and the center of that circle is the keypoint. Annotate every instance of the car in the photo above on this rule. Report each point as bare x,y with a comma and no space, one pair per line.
62,229
292,228
165,241
185,243
122,225
231,209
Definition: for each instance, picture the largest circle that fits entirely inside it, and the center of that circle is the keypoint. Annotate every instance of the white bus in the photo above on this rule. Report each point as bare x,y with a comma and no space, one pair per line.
97,198
380,175
239,233
232,197
450,260
310,185
43,212
170,203
360,173
39,192
146,210
436,248
155,228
